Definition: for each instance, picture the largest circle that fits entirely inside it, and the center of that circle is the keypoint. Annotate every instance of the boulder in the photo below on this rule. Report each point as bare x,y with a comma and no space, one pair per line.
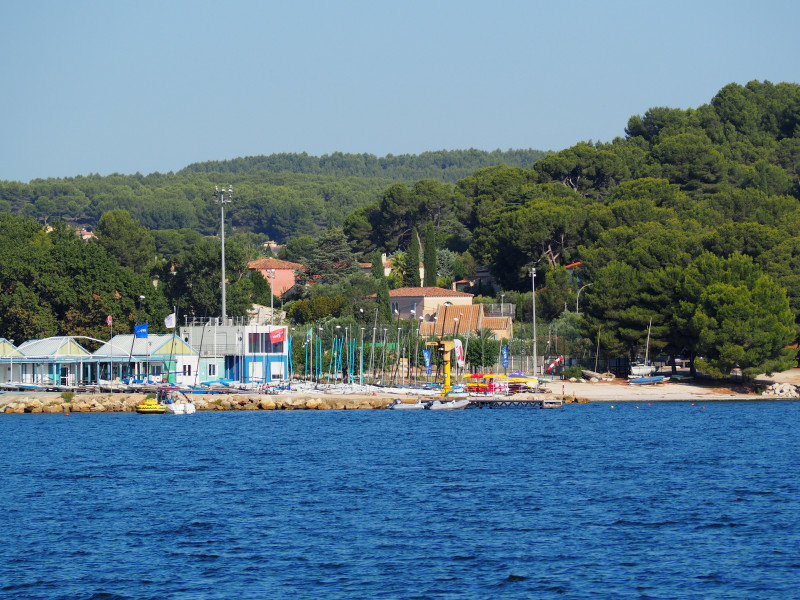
33,406
266,404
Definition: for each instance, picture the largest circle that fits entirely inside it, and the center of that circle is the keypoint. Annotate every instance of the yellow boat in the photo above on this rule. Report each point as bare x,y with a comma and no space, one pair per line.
150,407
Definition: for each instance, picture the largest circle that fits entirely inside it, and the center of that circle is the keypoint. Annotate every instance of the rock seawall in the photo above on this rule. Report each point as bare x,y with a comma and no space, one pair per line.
128,402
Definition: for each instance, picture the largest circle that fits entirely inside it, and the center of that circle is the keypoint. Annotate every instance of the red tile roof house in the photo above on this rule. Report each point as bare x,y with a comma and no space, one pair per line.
284,273
452,319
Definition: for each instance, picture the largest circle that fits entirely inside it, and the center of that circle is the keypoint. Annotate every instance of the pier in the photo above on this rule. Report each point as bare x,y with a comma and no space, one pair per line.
516,402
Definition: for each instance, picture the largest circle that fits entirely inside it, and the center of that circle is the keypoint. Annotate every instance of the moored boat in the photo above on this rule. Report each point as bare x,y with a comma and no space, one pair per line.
150,407
180,408
407,404
456,404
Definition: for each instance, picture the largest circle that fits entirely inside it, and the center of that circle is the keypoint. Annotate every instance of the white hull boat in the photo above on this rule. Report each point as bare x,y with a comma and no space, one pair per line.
457,404
180,408
641,370
399,404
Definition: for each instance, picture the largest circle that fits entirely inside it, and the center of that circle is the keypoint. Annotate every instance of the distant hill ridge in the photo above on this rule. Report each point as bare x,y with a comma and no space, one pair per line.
444,165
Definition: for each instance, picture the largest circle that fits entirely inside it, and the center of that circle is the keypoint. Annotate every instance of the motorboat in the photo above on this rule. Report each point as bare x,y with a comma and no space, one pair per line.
446,404
175,401
150,407
408,404
180,408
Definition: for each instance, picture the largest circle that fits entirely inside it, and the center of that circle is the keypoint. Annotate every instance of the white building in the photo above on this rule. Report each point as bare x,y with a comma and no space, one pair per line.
247,353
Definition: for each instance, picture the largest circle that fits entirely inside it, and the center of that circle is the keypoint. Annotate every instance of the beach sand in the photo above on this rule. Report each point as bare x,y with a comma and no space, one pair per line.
620,390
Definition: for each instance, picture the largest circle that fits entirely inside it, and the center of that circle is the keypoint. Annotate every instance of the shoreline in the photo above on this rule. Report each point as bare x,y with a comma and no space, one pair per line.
619,391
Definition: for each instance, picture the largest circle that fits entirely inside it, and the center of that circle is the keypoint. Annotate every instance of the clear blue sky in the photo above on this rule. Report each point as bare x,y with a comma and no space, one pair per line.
112,86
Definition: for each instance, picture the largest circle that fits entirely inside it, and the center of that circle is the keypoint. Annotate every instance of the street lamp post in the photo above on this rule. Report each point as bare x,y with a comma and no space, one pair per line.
383,355
502,312
578,295
533,294
372,348
223,198
411,320
361,365
455,335
336,354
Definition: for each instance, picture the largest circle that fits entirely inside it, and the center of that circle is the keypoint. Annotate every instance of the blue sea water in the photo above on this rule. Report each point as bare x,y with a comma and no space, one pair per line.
668,500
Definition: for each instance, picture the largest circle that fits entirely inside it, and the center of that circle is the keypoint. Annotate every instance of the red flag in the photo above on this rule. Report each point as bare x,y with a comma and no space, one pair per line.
277,336
109,320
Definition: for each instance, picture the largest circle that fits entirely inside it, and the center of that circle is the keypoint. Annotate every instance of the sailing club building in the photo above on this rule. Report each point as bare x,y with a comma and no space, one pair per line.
240,350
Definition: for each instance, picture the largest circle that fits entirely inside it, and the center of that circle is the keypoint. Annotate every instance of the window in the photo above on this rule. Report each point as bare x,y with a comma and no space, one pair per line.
259,343
212,370
395,307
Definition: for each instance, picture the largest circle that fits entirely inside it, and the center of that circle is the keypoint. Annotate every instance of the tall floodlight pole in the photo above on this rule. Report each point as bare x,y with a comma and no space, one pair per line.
271,277
223,197
533,294
372,349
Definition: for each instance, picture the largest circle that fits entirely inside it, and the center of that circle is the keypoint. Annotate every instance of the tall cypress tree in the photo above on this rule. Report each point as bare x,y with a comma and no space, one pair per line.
376,270
430,256
412,268
384,301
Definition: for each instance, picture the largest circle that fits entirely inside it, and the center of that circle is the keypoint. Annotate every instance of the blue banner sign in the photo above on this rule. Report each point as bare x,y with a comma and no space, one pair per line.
505,357
427,355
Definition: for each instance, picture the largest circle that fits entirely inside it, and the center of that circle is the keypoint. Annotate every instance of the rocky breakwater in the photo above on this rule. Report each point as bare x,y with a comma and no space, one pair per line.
127,403
782,390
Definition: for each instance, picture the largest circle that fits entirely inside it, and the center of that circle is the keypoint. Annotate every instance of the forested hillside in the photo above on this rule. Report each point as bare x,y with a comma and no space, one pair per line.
445,165
280,196
690,221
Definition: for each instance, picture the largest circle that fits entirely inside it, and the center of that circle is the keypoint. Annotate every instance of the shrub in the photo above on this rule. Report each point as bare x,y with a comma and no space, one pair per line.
67,396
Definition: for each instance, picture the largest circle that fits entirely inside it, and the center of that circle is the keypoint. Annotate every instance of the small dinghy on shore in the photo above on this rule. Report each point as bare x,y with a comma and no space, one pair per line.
648,380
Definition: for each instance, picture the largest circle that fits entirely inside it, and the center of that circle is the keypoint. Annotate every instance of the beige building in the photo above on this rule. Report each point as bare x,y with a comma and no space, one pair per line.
458,319
443,313
422,303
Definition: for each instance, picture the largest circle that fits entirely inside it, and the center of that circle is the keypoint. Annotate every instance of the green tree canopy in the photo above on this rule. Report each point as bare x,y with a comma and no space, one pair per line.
736,315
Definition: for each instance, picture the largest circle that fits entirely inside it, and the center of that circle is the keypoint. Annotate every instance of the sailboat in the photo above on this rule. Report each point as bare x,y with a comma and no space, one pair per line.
644,369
